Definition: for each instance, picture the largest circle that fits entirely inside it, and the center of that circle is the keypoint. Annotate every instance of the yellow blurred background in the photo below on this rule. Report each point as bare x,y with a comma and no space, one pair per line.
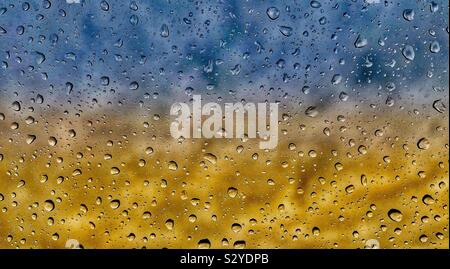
118,180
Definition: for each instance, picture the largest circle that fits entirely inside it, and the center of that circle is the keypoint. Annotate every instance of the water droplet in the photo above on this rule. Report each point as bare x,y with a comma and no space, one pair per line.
169,224
349,189
69,88
239,244
338,166
204,244
434,7
134,85
361,42
395,215
435,47
52,141
343,96
427,199
336,79
232,192
49,205
236,227
20,30
16,106
273,13
423,143
114,204
390,101
104,80
312,154
40,57
316,231
104,5
408,52
439,106
149,150
134,6
285,30
134,20
30,139
315,4
210,158
115,171
72,133
364,180
423,238
164,30
362,149
408,14
172,165
311,111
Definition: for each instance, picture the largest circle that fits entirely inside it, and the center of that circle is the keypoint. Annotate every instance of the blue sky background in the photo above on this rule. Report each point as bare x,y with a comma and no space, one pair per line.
220,47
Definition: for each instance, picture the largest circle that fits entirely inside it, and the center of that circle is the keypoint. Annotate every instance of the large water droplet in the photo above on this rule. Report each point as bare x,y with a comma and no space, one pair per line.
52,141
439,106
423,143
114,204
395,215
49,205
315,4
311,111
336,79
435,47
104,5
134,20
30,139
360,42
172,165
408,52
134,85
15,106
408,14
40,57
273,13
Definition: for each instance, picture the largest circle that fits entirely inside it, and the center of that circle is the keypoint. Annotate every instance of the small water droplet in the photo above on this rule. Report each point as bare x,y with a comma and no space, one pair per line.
164,30
285,30
361,42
